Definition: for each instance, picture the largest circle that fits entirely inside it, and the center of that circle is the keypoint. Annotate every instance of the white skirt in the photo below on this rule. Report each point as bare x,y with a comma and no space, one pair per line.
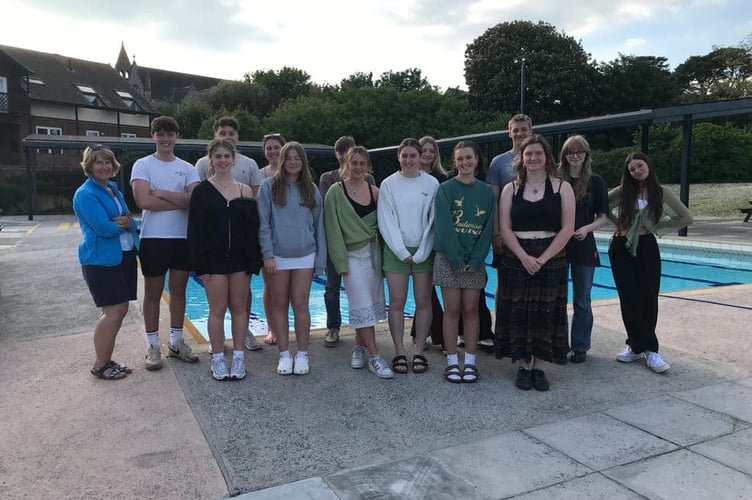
290,263
364,285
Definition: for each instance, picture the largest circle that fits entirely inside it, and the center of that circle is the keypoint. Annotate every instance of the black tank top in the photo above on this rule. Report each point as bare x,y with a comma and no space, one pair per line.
361,210
541,215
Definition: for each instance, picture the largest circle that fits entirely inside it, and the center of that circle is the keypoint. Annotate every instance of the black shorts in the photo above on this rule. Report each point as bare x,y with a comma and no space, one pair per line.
158,255
112,285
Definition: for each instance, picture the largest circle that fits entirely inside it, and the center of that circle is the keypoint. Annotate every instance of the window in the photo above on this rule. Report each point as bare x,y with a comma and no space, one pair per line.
35,80
128,134
92,133
3,94
128,100
49,131
90,95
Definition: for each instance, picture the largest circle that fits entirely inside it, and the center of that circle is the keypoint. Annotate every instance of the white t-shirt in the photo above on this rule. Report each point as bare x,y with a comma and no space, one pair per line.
174,176
245,170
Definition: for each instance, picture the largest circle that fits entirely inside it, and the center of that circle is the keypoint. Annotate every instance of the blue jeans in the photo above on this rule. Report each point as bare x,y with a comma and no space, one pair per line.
331,296
582,319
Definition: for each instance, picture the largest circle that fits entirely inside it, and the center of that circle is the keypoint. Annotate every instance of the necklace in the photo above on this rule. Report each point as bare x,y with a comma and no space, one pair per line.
536,186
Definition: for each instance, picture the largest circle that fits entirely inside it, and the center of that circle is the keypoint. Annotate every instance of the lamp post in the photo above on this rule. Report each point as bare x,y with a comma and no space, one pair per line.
522,85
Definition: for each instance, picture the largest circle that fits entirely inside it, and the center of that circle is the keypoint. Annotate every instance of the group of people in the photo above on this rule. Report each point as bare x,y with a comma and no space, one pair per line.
226,219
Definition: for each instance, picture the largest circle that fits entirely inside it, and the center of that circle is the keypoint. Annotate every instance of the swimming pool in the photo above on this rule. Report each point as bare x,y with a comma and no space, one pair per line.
685,266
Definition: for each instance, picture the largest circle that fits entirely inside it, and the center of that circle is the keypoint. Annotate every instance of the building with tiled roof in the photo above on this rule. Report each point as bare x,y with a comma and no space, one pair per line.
43,93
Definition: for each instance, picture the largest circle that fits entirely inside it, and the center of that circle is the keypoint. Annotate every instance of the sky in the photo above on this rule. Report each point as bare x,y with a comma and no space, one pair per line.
332,39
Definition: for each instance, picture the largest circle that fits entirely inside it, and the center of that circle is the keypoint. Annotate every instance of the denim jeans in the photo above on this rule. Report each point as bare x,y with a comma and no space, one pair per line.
582,319
331,296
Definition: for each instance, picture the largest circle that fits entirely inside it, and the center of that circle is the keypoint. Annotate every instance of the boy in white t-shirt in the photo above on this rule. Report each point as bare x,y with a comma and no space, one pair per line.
162,184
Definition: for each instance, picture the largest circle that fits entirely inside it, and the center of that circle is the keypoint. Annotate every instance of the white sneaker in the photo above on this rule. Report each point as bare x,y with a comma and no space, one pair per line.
378,367
237,371
357,360
251,343
301,364
153,358
628,355
655,362
285,365
219,369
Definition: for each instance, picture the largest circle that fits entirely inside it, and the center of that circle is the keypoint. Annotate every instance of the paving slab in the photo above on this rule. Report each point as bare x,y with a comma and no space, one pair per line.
591,487
727,397
600,441
747,382
417,479
734,450
683,474
509,464
314,488
676,420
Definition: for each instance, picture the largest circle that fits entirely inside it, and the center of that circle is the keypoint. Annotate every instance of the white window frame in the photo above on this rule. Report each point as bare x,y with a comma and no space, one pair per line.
129,135
45,130
92,133
3,84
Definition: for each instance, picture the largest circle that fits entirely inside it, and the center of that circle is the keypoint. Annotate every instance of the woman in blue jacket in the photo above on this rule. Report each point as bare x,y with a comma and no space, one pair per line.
107,254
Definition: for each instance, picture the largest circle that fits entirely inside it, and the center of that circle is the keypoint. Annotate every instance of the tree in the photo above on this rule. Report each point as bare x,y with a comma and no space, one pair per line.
558,73
723,73
357,80
402,81
285,84
191,115
631,82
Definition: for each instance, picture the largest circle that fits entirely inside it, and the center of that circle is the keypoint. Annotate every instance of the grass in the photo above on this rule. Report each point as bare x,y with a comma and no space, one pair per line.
717,202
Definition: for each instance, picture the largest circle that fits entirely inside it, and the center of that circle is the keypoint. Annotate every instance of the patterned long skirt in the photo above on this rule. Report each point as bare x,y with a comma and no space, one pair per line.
531,310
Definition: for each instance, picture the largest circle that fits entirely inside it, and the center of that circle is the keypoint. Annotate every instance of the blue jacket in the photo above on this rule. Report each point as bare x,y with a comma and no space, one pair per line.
95,210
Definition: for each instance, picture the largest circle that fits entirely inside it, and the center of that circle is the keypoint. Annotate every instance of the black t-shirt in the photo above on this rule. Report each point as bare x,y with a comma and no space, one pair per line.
593,203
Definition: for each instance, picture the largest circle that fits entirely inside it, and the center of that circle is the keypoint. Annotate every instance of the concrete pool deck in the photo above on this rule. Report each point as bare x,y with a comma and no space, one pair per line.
603,430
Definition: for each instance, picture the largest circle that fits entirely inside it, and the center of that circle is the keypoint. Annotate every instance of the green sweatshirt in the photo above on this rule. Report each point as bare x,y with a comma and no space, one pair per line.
463,223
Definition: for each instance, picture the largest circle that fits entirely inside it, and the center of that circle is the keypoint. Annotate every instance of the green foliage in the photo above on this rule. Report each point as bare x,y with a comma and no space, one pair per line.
558,75
636,82
191,116
724,73
403,81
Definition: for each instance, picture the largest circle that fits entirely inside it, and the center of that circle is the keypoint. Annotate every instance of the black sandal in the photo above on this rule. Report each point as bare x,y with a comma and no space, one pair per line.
420,363
126,369
452,374
110,371
399,364
470,374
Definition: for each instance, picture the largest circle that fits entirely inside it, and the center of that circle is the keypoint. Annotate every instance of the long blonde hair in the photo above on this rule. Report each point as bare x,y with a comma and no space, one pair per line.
281,180
436,166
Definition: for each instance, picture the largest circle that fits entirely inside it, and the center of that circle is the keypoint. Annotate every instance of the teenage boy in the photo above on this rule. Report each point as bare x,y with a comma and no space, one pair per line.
246,171
162,184
334,280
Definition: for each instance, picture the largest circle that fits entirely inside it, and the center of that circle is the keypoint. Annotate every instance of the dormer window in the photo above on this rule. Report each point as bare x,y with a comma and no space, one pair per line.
128,100
90,95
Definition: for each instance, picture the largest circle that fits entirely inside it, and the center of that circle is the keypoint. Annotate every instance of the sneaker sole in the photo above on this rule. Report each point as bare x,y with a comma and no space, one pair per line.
660,370
357,367
628,360
182,358
153,368
237,377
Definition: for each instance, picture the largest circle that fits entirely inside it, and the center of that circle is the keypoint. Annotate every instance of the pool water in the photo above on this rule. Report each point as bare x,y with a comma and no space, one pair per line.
682,269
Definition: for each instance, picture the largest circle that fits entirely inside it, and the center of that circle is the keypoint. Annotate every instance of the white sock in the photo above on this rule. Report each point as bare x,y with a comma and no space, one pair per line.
152,339
218,356
175,335
452,359
469,359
